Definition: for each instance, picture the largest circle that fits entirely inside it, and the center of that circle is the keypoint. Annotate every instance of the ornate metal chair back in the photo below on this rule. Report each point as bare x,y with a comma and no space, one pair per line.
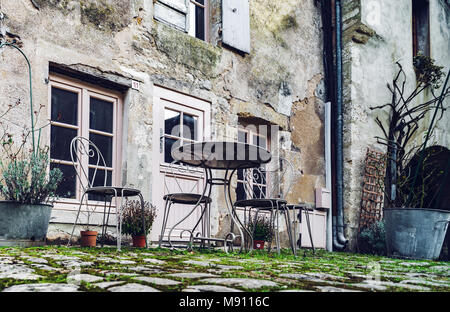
96,163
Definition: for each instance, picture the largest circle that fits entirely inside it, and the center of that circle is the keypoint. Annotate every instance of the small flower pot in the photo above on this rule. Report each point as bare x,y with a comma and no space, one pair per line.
139,241
258,244
88,238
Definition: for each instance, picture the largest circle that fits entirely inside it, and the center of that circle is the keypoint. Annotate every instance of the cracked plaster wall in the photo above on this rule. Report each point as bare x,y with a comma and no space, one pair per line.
280,81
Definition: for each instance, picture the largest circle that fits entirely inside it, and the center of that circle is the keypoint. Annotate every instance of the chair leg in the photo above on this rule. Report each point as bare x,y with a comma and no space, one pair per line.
269,247
107,219
309,229
76,219
287,218
117,221
103,223
164,220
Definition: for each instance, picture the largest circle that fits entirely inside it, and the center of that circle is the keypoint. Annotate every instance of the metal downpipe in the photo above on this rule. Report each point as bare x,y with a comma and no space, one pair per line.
340,238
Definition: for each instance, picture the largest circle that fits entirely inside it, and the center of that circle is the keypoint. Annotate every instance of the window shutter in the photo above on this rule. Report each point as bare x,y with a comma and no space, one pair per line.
236,24
172,12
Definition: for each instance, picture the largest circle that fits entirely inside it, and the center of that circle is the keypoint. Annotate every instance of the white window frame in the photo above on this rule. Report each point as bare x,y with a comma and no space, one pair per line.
85,91
192,4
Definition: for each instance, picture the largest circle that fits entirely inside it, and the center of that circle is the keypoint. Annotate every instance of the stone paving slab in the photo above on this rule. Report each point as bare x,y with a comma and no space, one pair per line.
77,278
191,275
157,280
18,271
210,288
249,283
44,287
133,287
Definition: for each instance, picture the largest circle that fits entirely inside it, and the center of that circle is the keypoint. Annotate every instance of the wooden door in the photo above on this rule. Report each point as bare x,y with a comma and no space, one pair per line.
178,119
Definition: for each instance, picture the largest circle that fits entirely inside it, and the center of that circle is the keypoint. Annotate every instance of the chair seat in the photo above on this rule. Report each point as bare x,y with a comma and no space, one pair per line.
187,198
112,191
261,203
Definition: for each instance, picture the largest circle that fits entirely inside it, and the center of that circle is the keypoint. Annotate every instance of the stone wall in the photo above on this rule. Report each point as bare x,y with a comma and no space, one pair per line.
280,81
377,34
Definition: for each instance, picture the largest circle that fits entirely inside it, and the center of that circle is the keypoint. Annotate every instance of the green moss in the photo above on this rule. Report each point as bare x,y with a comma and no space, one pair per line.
288,21
187,50
102,15
99,13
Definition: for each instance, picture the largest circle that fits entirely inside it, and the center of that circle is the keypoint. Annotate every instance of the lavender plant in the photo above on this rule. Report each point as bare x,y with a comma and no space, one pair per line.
132,217
26,181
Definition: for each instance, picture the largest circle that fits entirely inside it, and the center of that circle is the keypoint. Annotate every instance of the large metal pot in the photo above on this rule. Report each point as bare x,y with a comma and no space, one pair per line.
415,233
23,224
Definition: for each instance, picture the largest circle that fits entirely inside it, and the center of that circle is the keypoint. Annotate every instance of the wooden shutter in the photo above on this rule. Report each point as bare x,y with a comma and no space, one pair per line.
172,12
236,24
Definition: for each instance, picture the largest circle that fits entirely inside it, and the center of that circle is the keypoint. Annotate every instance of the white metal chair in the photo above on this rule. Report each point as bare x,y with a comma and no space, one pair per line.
80,146
266,189
187,196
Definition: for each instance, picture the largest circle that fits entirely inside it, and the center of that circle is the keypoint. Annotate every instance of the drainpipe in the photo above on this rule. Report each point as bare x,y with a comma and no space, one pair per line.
340,238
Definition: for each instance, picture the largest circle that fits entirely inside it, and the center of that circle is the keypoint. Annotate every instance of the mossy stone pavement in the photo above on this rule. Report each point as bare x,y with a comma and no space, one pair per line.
62,269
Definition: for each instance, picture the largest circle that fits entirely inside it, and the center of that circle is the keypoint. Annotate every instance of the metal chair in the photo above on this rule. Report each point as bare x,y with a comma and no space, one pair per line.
265,190
80,146
185,195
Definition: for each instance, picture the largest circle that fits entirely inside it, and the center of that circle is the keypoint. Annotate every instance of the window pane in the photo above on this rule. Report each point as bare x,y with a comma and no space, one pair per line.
99,181
67,187
190,127
259,191
200,21
242,136
101,115
259,141
60,139
172,122
105,145
240,174
64,106
168,145
240,191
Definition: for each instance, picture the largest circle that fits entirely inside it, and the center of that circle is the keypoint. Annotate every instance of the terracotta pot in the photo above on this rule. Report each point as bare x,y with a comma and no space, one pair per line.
138,240
258,244
88,238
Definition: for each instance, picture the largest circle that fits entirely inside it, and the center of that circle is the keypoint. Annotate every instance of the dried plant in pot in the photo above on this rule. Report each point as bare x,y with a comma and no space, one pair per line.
261,230
132,220
414,227
27,186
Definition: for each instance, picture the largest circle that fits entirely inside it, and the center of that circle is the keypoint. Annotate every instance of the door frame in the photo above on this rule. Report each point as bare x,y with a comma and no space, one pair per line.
162,95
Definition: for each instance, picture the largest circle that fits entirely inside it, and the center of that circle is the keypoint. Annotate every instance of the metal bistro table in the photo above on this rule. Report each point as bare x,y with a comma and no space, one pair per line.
228,157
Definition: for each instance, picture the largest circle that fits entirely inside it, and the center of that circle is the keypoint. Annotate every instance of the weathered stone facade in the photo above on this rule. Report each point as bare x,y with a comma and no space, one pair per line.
377,34
115,42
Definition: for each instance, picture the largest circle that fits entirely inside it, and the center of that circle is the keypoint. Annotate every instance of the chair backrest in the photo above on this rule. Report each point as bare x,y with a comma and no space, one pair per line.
273,180
96,163
176,176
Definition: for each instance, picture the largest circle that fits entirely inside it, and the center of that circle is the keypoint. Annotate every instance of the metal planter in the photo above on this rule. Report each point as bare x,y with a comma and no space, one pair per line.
23,224
415,233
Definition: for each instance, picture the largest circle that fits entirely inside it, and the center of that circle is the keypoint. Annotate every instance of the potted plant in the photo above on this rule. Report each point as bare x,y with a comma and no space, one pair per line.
261,230
26,184
413,228
132,221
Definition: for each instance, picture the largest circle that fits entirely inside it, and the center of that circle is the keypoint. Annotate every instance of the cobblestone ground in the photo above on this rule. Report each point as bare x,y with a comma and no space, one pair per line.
61,269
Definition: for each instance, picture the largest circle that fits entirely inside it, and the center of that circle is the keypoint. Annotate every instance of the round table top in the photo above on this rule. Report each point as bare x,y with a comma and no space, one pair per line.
222,155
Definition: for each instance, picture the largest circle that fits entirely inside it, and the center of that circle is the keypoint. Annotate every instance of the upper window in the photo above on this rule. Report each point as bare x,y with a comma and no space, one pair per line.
421,27
190,16
82,110
193,17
